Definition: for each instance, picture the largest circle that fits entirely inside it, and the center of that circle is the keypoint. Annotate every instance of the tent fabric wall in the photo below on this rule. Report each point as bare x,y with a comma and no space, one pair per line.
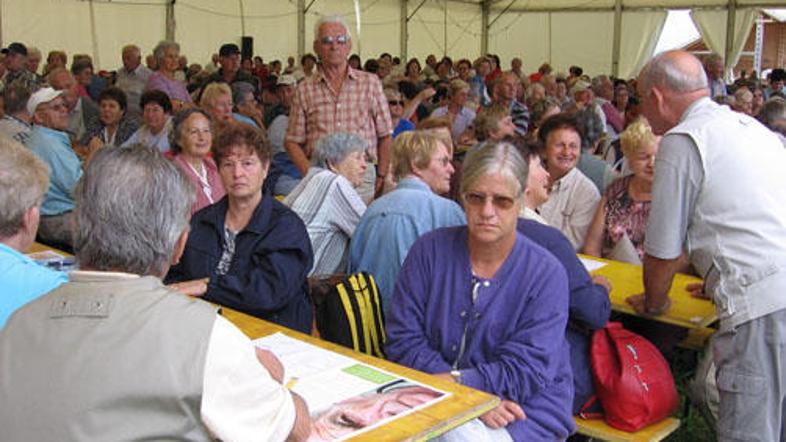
640,34
712,27
563,32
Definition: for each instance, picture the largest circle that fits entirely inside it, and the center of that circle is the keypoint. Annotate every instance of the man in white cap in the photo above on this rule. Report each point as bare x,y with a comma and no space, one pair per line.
49,140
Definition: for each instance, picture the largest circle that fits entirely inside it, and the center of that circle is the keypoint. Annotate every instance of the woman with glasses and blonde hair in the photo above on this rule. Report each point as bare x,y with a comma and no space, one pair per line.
484,306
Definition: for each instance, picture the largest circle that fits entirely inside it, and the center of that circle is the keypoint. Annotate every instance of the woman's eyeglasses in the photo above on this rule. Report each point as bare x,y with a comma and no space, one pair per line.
498,201
396,103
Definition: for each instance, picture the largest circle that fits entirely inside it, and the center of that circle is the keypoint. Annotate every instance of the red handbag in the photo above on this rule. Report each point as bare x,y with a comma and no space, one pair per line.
632,379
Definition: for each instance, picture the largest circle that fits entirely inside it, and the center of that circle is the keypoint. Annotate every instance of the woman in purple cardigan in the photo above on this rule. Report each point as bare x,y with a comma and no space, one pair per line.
484,306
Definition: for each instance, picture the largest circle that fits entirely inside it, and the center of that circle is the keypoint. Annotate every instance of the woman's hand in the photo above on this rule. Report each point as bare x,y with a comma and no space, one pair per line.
503,415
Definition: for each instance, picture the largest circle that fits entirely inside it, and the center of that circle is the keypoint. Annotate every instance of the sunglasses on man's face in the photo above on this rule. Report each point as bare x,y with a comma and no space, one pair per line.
396,103
338,39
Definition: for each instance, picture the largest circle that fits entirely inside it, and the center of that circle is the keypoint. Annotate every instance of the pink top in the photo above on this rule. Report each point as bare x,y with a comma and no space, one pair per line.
208,191
624,215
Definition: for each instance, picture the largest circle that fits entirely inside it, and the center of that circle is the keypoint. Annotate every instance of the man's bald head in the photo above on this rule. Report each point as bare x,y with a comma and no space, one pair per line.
674,71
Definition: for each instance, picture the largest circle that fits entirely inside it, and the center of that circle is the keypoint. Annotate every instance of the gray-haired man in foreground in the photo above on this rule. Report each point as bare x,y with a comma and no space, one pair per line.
114,354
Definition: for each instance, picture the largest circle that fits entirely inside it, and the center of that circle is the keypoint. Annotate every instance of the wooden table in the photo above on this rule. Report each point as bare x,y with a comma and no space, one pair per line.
38,247
626,280
463,405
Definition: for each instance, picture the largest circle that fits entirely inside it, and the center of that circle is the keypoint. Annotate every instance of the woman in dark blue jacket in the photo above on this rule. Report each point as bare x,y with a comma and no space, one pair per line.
254,250
589,304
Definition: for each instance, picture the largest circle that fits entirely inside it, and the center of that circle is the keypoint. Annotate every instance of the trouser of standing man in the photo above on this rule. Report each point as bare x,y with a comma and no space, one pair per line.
55,230
751,364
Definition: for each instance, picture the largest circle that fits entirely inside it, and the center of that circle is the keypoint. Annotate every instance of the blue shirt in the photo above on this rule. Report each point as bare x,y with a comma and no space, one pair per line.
514,346
393,223
403,125
65,168
23,280
589,304
244,119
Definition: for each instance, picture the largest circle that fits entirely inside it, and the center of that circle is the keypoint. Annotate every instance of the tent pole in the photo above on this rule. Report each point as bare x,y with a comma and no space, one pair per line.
301,28
731,16
94,36
615,52
403,30
485,8
169,32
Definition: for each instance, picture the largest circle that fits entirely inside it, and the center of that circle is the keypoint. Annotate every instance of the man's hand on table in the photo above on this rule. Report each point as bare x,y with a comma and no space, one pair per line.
696,289
195,287
503,415
271,363
639,303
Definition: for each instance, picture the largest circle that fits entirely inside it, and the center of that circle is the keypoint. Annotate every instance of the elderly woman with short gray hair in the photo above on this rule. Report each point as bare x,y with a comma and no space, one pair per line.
484,306
326,199
167,55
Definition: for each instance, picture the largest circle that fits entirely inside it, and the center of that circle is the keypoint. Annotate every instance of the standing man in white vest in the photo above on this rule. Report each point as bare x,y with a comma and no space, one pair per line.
719,195
114,354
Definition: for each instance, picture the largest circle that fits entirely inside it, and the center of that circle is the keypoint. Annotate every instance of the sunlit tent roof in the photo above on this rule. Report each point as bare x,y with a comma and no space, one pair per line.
603,36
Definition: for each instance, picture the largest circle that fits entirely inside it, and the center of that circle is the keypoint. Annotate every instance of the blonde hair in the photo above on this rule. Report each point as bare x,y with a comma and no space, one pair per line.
636,136
211,92
413,148
488,120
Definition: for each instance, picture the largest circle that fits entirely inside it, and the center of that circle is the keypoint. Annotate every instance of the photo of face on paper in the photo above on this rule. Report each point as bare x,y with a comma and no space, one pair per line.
351,415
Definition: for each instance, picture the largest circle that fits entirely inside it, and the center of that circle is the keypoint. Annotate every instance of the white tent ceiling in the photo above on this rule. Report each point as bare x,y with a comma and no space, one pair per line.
563,32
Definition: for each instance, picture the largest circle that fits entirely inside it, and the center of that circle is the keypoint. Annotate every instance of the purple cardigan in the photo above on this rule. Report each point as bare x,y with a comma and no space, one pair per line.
515,342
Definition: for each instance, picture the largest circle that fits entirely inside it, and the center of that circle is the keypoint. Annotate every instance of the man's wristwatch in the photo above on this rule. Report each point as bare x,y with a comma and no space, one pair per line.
456,375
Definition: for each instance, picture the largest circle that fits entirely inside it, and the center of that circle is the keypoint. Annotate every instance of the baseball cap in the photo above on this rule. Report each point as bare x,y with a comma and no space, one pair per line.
43,95
15,48
228,49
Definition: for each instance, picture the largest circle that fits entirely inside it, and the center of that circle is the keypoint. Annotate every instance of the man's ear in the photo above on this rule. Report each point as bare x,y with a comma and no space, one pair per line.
180,247
30,220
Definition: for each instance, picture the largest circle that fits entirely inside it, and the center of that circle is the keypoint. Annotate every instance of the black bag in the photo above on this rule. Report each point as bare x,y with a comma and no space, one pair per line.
349,313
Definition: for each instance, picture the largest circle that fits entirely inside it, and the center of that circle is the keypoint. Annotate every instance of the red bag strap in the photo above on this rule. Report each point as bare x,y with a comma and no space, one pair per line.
584,414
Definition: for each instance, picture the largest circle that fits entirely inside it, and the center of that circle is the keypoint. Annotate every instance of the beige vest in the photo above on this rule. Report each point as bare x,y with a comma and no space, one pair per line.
737,237
105,358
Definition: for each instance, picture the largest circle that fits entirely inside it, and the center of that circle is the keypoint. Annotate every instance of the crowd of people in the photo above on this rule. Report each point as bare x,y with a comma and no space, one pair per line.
467,191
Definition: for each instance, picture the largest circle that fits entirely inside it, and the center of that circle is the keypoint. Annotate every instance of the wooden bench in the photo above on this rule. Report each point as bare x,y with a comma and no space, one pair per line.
599,429
696,338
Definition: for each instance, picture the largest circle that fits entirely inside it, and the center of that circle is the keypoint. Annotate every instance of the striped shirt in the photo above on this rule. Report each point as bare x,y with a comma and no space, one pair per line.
331,209
360,107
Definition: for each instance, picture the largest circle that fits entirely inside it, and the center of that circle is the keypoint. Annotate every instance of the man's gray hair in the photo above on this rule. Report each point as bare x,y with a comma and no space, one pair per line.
773,115
133,47
491,158
23,180
334,18
132,205
597,83
335,148
664,71
158,52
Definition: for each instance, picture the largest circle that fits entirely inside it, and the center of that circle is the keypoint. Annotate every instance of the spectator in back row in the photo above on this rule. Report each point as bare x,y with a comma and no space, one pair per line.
192,140
461,117
254,251
132,78
505,88
574,197
157,122
167,54
327,202
284,175
16,123
422,167
49,140
229,72
82,112
114,124
23,180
